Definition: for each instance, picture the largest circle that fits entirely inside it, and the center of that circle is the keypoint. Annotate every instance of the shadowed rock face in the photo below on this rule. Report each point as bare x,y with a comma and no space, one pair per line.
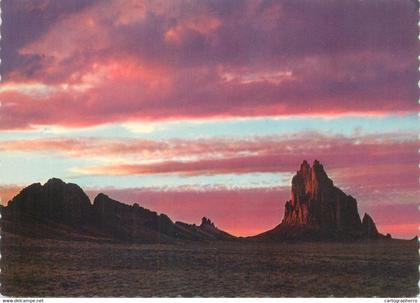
55,201
130,223
207,223
318,209
135,223
369,227
210,228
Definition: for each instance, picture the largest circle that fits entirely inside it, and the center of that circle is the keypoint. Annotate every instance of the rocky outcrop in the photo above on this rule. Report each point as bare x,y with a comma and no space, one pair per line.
206,223
369,227
130,223
319,210
317,203
210,228
56,201
137,224
207,230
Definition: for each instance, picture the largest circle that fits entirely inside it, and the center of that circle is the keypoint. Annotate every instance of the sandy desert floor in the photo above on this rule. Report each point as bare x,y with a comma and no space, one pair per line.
49,268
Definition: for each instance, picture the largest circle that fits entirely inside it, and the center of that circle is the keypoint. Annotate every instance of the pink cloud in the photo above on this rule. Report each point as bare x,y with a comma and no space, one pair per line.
379,169
258,151
173,61
155,95
368,160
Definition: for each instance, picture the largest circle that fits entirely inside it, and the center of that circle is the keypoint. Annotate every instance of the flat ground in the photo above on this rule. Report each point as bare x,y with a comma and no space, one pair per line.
49,268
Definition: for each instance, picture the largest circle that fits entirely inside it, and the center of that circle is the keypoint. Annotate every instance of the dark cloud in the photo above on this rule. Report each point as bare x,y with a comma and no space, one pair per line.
24,22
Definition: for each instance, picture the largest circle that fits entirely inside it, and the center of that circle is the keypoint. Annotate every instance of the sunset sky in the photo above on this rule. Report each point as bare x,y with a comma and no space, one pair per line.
207,108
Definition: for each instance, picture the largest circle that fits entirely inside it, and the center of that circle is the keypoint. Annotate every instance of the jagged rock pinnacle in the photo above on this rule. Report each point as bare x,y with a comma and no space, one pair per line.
317,203
369,227
206,222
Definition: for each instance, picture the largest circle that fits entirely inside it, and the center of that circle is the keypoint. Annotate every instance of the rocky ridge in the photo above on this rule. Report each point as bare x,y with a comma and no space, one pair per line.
317,210
62,210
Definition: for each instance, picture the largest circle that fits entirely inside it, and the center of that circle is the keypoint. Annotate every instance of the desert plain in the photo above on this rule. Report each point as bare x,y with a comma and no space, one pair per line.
54,268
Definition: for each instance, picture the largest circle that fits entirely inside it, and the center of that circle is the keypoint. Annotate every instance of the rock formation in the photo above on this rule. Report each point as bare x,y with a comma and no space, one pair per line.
369,227
319,210
62,210
55,201
205,223
130,223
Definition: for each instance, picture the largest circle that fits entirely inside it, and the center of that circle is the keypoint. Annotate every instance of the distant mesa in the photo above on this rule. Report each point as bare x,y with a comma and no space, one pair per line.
317,211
